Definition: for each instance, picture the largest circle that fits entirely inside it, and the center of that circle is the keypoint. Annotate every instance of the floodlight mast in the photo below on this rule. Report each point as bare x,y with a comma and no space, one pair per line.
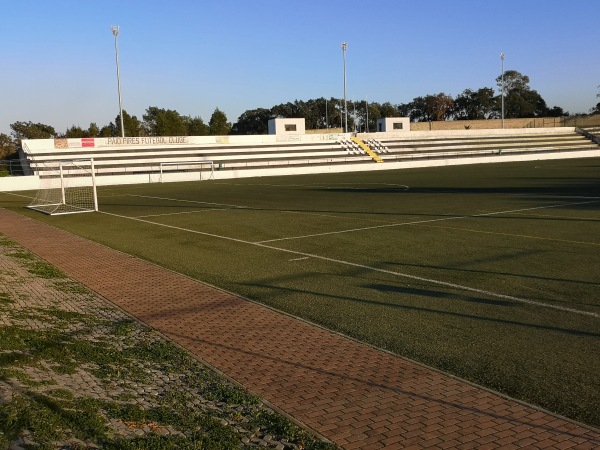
367,109
502,58
115,32
344,47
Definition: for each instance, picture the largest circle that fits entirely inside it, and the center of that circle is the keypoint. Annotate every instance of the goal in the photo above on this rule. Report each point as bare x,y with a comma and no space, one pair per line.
186,171
66,187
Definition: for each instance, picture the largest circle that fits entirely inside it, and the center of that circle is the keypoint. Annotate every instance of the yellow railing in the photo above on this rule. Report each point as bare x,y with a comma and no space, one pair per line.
368,150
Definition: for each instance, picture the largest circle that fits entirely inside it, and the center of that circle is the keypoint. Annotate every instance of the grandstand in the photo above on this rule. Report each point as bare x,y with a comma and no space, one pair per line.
139,159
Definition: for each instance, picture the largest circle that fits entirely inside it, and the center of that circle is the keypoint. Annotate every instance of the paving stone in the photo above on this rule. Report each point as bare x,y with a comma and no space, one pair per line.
283,359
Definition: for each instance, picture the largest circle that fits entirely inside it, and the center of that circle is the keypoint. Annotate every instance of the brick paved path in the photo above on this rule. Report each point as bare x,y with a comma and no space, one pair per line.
355,395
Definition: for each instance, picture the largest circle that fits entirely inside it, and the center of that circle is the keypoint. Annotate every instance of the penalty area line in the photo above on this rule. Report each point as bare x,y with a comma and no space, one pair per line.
420,222
374,269
186,201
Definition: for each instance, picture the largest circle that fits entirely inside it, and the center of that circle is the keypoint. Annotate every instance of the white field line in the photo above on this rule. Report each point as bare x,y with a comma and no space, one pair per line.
197,211
375,269
17,195
418,222
185,201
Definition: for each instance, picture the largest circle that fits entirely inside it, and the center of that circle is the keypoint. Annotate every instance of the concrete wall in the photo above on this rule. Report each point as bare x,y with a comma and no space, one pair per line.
436,134
326,131
486,124
538,122
27,183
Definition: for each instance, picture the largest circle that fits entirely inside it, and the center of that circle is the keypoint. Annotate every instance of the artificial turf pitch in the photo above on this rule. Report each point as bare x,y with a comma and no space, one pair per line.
489,272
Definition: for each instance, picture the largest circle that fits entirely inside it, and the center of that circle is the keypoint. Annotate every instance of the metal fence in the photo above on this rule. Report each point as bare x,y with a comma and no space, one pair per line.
10,168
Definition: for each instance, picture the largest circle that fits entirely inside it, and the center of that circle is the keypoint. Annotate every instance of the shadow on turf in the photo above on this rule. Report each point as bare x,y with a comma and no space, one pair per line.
572,187
438,294
487,272
435,294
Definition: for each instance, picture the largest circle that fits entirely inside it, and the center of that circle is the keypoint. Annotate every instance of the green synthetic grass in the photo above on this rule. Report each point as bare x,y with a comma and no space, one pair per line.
527,230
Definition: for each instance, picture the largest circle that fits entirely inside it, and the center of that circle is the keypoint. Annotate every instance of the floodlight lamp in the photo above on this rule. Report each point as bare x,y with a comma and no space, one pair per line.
115,30
344,46
502,56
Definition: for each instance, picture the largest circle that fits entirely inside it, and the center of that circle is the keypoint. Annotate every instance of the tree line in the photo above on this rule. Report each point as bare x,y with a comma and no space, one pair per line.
520,101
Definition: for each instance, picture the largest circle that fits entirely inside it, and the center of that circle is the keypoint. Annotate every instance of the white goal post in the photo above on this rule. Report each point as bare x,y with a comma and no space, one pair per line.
186,170
66,187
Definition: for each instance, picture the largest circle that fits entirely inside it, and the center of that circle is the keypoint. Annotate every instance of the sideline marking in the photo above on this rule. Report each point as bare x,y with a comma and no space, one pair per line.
375,269
17,195
418,222
300,259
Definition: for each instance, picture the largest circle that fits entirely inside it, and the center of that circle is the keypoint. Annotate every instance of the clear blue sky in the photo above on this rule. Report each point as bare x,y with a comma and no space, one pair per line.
194,56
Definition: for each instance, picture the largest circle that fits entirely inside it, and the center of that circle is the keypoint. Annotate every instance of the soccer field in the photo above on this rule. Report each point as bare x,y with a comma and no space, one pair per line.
489,272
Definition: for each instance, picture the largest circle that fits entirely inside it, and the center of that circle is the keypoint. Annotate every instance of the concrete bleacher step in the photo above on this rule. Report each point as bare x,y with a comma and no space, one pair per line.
118,160
430,147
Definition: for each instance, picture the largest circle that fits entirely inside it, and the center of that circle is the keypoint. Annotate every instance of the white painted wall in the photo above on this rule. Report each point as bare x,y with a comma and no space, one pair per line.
393,125
278,126
8,184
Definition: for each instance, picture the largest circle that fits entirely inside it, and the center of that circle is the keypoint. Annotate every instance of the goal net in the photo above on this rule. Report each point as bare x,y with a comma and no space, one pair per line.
66,187
186,171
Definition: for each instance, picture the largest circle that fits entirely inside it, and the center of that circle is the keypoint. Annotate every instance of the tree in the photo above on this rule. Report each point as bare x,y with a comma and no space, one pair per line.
253,121
404,110
374,109
514,81
417,110
557,111
7,146
133,127
596,109
439,106
197,127
334,115
519,99
78,132
93,130
430,108
109,130
30,130
313,112
164,122
75,132
218,125
389,110
285,111
476,105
